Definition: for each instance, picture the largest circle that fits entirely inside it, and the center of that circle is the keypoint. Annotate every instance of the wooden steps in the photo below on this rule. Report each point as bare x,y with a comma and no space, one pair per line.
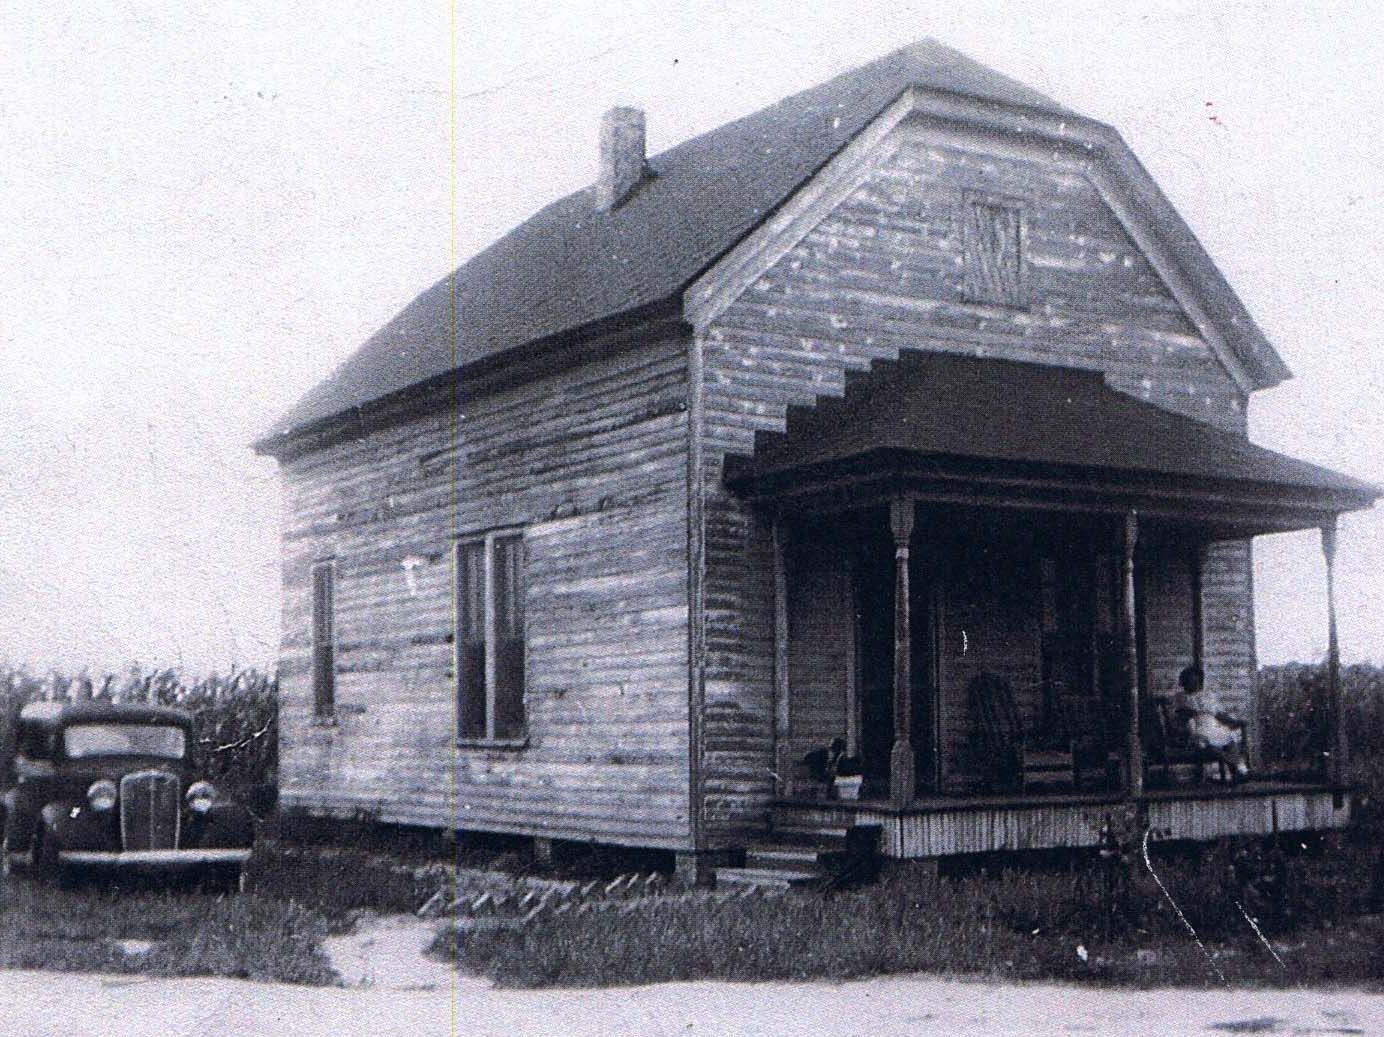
761,878
796,857
792,854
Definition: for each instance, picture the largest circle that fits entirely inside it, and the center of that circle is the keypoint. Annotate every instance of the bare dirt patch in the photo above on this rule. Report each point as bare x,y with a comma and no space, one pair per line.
389,952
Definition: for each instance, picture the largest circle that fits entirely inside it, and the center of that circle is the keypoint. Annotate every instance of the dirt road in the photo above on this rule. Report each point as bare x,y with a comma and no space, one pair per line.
70,1005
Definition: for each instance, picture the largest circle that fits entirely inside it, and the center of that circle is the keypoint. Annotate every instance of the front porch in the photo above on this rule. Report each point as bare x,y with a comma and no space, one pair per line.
986,579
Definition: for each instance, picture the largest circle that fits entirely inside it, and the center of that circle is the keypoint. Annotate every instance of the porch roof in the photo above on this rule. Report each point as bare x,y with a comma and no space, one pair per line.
1059,433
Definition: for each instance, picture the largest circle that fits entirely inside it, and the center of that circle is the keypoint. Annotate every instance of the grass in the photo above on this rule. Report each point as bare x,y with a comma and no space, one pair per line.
1108,924
335,882
1105,922
171,933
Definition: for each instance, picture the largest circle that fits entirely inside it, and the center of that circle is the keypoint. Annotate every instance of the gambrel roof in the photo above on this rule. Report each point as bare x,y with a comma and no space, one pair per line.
572,266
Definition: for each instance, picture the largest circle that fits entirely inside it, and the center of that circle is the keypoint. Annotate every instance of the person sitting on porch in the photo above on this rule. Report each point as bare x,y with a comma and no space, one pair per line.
1207,726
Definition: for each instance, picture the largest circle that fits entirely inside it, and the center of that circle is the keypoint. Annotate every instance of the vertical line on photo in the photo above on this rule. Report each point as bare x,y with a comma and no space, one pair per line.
1178,911
1260,933
451,545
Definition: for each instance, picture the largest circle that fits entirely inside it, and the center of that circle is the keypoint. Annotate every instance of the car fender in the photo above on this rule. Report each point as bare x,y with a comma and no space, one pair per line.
18,816
226,824
75,826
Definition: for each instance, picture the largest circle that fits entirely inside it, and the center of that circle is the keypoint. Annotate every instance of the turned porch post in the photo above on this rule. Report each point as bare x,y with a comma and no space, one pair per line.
1129,613
901,777
1335,730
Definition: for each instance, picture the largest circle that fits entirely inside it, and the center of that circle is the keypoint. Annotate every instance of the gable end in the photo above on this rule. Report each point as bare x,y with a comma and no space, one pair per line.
1074,144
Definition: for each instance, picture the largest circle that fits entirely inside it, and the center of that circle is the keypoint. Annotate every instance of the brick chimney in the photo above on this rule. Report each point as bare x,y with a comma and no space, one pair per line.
622,157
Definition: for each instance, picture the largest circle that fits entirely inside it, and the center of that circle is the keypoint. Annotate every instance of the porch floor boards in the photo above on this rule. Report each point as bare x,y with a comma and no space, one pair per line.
980,801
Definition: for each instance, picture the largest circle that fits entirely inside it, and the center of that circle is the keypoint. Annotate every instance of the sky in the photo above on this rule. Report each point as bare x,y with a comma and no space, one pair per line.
207,208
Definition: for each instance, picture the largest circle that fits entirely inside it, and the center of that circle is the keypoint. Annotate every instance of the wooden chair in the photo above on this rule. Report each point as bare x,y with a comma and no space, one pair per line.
1167,742
1011,762
1085,729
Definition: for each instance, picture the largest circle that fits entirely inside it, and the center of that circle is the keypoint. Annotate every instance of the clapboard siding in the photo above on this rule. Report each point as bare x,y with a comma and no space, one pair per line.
737,729
591,462
884,271
1167,607
1228,628
819,644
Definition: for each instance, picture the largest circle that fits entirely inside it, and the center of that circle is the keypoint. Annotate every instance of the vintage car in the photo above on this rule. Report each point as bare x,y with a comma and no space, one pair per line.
113,786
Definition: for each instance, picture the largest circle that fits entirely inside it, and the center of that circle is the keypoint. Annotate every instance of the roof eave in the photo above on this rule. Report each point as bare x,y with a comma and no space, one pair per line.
285,441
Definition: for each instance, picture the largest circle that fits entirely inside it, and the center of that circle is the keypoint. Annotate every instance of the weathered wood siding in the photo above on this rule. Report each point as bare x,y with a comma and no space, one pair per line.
885,270
737,731
1227,593
592,464
820,656
1167,608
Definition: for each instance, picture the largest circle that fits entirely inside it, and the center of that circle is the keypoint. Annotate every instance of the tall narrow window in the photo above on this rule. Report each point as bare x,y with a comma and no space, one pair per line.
994,253
323,642
490,638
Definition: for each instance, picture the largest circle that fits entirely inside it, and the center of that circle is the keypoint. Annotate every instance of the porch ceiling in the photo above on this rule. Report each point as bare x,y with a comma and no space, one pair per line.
1004,433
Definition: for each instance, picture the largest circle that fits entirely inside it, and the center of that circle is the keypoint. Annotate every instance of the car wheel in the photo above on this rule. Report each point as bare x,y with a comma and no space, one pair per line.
47,866
223,879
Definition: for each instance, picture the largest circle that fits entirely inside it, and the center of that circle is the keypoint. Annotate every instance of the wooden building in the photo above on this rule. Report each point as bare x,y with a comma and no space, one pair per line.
793,433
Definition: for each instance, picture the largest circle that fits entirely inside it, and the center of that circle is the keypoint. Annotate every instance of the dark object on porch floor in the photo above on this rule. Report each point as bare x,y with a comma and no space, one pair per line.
1167,744
1010,762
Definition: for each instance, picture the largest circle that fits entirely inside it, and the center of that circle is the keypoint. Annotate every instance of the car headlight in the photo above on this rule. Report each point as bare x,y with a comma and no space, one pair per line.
102,794
200,795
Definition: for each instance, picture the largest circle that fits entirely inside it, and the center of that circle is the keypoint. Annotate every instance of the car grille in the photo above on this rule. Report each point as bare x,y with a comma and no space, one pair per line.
149,809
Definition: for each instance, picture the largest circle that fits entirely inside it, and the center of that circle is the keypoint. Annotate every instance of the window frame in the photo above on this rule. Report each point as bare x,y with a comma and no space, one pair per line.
324,706
489,539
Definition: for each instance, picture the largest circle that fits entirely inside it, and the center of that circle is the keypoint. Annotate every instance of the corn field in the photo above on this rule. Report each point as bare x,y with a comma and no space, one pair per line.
237,745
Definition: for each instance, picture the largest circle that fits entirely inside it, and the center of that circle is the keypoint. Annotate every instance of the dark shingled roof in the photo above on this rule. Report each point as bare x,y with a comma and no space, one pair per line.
570,264
982,409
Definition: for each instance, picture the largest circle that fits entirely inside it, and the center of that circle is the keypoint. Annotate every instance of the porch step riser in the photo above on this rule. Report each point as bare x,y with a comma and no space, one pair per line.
799,858
809,836
764,878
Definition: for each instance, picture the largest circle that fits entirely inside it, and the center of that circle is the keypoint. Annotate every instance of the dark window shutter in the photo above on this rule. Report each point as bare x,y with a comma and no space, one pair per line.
471,610
323,640
509,637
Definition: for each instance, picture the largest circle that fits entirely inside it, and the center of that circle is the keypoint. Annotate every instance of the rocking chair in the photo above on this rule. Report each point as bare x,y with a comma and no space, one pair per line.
1010,762
1166,742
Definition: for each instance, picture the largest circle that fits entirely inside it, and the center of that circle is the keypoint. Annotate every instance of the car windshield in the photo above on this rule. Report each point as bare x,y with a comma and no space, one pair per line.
164,740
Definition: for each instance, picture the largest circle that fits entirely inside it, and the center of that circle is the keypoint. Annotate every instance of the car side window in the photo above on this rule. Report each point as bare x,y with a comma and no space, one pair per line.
33,742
